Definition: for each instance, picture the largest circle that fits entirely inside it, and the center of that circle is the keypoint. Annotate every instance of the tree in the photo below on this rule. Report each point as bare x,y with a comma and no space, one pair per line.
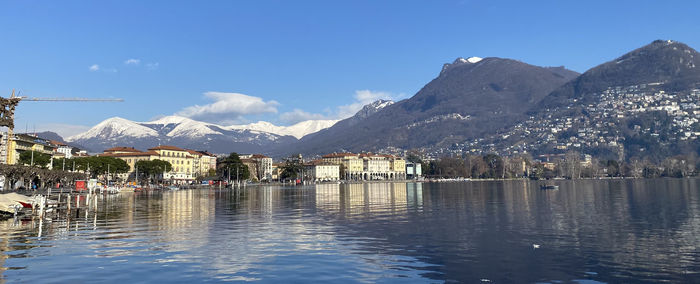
494,164
291,169
35,158
572,165
613,168
153,168
414,156
233,167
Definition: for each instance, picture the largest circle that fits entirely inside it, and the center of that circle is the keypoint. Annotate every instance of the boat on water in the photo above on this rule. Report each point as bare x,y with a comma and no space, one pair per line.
549,187
13,203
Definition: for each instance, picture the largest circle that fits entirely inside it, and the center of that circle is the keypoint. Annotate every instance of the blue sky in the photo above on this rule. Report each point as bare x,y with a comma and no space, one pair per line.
285,61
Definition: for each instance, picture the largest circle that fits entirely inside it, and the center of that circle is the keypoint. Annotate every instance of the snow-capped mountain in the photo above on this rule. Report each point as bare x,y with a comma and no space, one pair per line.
460,61
115,127
298,130
372,108
186,132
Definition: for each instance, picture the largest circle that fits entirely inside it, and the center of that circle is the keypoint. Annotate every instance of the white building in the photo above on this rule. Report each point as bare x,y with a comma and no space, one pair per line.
321,172
413,170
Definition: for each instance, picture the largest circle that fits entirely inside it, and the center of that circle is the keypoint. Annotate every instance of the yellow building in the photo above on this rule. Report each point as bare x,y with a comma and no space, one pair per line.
352,164
19,143
187,165
398,166
181,160
130,156
368,166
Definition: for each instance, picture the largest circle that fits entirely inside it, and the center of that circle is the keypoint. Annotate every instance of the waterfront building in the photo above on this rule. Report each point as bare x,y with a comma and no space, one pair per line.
187,165
398,167
276,171
181,161
259,166
252,167
13,146
413,170
207,162
264,165
376,167
368,166
318,171
130,156
196,162
351,164
62,148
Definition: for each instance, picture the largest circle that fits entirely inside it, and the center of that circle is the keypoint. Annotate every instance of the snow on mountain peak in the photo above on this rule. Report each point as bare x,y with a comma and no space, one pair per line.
474,59
115,126
459,62
170,119
176,127
192,129
298,130
373,107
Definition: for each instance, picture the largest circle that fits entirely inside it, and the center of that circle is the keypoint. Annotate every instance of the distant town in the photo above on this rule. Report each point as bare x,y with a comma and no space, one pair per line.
178,166
171,165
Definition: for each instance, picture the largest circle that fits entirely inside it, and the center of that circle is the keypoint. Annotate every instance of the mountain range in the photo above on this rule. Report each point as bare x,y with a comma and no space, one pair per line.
189,133
469,98
477,105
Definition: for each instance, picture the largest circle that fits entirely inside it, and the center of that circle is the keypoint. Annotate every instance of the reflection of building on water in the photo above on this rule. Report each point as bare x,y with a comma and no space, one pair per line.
328,196
187,209
414,195
362,197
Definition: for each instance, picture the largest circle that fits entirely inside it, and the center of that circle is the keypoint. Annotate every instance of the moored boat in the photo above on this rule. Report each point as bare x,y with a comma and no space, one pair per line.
549,186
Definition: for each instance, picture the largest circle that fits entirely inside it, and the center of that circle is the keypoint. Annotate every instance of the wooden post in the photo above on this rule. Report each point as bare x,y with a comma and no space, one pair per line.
42,206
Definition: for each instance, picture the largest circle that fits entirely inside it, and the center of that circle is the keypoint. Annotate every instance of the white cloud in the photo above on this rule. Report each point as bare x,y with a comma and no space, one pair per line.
298,115
96,68
228,107
132,61
65,130
361,98
152,65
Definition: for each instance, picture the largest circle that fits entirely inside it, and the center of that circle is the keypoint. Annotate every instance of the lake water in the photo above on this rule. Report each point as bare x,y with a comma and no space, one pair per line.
474,232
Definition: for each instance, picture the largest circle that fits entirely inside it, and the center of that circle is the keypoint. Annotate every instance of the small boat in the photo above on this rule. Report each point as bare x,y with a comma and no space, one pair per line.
549,187
13,203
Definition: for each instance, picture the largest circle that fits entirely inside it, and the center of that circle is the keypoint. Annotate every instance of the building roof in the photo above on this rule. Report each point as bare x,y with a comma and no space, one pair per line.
193,152
121,149
57,143
377,155
130,154
259,156
319,163
167,147
339,155
206,153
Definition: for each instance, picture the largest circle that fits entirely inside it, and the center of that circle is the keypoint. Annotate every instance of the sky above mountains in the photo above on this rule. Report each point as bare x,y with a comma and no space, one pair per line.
236,62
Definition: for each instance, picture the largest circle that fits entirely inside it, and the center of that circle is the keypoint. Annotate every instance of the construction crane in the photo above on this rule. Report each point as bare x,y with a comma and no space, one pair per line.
8,105
69,100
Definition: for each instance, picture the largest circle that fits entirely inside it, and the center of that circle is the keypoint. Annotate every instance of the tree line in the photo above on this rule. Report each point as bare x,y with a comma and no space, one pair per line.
571,165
